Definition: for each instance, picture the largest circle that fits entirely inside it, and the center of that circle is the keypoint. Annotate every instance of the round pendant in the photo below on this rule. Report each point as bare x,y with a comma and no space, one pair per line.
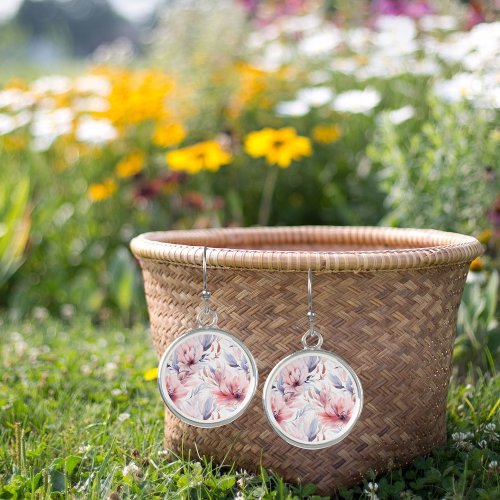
207,377
313,399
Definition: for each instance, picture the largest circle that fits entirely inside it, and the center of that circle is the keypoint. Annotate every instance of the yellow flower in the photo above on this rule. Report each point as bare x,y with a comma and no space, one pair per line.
326,133
279,147
102,190
131,164
151,374
168,134
207,155
485,236
477,265
136,96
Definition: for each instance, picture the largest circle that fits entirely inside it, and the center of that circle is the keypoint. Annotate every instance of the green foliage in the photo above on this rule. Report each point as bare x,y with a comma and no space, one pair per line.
15,222
82,422
444,175
478,332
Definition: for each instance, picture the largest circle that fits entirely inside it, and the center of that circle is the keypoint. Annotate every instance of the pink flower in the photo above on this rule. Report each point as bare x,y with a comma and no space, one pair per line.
231,386
188,355
174,387
294,376
281,411
337,407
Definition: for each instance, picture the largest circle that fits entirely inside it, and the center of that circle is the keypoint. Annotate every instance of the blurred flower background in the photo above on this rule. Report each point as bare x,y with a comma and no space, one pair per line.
119,116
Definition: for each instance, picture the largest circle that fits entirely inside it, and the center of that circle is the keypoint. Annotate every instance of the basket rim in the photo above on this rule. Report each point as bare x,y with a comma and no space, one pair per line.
415,248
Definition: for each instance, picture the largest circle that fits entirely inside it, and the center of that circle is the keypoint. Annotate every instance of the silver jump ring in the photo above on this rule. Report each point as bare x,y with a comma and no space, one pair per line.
206,319
309,334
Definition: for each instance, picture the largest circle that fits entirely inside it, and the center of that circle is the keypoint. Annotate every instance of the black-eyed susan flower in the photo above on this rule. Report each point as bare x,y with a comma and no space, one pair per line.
477,265
326,134
131,164
278,146
102,190
208,155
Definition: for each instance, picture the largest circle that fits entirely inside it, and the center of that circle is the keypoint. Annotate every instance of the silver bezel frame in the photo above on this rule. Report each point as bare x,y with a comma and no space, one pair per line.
194,333
268,389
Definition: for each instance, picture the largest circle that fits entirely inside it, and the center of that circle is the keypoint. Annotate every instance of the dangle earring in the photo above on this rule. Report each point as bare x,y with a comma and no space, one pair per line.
207,377
312,398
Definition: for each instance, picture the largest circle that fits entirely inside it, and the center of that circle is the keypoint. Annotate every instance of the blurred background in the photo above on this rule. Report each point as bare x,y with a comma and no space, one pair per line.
123,116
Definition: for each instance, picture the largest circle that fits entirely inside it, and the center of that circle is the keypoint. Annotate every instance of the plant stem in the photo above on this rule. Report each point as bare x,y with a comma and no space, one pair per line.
267,196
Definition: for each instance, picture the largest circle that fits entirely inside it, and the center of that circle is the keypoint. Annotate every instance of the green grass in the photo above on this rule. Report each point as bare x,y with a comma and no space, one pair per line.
78,420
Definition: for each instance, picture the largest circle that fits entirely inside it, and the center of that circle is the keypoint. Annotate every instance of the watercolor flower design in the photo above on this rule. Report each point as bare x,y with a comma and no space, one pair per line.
313,398
208,378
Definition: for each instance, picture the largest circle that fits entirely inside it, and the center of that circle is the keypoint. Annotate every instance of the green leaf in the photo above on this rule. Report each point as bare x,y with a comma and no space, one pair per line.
226,482
71,463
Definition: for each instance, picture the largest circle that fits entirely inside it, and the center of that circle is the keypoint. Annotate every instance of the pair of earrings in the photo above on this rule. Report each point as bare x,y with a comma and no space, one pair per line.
208,377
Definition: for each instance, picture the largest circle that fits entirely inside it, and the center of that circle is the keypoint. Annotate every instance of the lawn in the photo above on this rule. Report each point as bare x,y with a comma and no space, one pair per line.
81,418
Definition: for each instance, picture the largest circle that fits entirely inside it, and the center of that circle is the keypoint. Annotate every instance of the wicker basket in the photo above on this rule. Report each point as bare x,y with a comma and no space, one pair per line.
386,301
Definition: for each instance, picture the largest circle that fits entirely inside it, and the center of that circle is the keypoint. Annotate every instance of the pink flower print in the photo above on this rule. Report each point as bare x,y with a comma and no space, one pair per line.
175,389
294,376
232,386
281,410
189,354
336,407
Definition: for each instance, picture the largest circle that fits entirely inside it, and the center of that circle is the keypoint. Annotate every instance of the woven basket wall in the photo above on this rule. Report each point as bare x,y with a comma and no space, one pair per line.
386,301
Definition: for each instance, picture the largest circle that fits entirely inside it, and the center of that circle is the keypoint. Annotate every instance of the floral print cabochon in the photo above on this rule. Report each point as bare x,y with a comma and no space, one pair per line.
312,399
207,377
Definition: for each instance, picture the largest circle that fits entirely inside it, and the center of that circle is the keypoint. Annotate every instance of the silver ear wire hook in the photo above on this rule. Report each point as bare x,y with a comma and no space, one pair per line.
311,316
207,317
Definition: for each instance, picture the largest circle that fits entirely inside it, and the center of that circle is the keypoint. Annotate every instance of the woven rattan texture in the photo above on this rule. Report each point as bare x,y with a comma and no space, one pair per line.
395,328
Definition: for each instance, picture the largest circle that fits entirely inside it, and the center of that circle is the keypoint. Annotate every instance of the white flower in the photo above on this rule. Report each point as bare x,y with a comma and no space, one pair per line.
490,427
7,124
459,87
52,123
84,448
358,38
54,84
493,464
274,56
123,416
372,486
93,84
47,126
95,131
259,38
132,470
116,392
16,99
292,108
110,369
90,104
433,22
483,443
357,101
320,42
315,96
400,115
396,35
475,277
402,26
